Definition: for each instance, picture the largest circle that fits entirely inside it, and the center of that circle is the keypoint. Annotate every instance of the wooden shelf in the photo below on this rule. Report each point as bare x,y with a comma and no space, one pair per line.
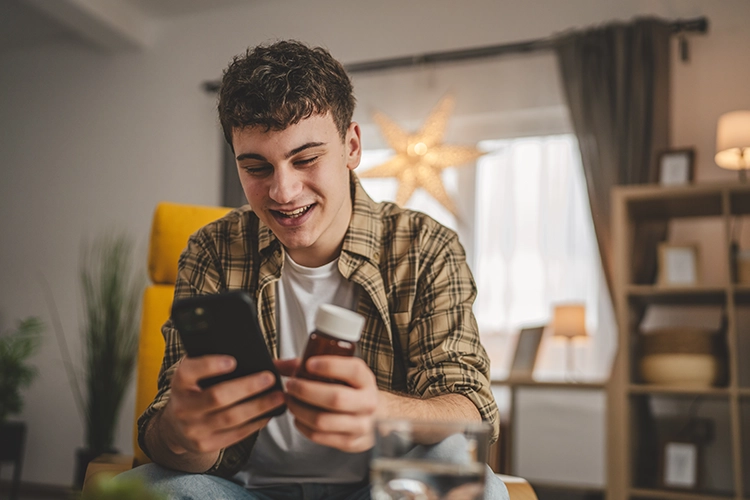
656,294
739,202
670,389
573,488
676,495
702,200
539,384
656,202
741,293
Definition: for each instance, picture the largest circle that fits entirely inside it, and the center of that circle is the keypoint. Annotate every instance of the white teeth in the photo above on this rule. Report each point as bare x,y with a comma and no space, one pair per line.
294,213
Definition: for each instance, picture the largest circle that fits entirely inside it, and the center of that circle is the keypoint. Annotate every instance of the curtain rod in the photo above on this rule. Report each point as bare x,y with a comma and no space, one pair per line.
697,25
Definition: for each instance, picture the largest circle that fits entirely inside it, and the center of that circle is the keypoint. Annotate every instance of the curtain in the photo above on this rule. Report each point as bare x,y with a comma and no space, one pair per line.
232,194
616,82
535,248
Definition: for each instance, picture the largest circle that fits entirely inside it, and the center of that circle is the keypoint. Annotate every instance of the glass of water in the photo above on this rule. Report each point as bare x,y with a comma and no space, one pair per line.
419,460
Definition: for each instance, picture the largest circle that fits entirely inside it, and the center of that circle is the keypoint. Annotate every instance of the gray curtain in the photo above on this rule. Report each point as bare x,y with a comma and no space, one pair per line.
616,81
231,189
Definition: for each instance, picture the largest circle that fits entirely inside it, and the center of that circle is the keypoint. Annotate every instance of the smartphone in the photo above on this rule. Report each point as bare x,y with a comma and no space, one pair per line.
225,323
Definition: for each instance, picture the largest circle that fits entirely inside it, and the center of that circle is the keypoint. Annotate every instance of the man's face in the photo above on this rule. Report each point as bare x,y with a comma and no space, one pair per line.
297,182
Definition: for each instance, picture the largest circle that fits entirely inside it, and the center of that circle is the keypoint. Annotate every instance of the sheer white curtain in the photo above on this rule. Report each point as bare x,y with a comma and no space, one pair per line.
535,247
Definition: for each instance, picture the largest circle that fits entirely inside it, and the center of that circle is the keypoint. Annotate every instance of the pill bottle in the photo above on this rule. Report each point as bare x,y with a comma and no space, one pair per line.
337,331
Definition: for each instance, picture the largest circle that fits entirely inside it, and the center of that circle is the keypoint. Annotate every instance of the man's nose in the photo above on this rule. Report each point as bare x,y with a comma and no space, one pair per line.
285,185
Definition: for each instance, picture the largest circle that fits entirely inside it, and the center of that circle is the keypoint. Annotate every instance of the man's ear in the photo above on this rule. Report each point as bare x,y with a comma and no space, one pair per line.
353,144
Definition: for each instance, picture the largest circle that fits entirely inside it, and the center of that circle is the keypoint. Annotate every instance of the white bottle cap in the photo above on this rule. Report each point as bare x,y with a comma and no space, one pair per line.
339,322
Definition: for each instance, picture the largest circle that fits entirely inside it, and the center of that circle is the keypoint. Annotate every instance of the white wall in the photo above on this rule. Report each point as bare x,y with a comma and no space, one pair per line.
91,140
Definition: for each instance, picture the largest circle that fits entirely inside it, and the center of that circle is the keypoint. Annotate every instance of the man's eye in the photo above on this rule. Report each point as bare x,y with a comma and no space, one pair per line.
256,169
307,161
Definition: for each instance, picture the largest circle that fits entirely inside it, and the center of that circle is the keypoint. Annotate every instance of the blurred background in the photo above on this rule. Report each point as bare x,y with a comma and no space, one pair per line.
104,113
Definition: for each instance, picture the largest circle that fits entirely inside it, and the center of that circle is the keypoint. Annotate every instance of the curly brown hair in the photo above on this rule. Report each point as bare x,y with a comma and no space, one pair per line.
277,85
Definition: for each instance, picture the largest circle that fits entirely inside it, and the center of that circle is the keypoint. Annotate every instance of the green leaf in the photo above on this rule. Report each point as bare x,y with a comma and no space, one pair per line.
15,349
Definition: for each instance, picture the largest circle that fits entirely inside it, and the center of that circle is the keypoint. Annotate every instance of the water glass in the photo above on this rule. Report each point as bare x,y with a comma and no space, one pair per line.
421,460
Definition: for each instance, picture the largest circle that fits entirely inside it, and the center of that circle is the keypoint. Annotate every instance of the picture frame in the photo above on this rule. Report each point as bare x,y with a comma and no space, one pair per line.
676,167
679,465
527,349
678,264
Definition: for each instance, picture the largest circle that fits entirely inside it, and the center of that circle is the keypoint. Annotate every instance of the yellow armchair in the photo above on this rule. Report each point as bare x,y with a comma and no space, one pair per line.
171,227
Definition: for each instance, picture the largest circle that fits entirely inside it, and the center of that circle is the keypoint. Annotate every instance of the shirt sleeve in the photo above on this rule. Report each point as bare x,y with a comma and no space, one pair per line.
444,351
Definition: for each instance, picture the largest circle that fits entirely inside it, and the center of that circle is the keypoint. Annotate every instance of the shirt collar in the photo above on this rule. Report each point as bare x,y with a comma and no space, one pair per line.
365,228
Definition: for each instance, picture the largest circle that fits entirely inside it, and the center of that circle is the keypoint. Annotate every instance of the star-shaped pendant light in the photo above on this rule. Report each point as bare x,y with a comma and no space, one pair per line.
421,157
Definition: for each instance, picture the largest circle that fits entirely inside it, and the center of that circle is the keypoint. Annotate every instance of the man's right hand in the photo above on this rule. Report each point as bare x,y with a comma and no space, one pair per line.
196,423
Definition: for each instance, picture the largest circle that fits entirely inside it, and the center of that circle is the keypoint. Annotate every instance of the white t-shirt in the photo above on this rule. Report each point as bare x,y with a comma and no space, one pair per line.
281,453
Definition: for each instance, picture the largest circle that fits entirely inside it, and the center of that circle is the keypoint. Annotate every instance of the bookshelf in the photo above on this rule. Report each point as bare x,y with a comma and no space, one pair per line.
635,427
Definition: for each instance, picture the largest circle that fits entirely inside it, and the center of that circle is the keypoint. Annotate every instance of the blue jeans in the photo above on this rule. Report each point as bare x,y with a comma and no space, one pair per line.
184,486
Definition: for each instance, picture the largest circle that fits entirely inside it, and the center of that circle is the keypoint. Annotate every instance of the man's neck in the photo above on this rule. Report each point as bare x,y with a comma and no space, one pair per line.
310,258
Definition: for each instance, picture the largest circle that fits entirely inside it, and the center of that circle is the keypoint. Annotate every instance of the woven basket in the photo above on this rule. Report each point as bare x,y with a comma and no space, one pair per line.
681,356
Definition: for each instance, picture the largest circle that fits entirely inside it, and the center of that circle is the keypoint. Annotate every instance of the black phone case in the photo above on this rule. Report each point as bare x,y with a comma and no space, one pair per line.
225,323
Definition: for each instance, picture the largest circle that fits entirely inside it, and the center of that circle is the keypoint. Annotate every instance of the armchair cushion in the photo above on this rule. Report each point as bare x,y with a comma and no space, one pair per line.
157,302
172,226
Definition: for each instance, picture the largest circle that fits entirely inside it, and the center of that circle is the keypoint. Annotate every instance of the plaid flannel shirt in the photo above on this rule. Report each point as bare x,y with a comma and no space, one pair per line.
420,336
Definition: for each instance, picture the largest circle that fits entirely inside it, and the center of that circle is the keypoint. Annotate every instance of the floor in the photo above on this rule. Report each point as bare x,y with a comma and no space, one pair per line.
37,492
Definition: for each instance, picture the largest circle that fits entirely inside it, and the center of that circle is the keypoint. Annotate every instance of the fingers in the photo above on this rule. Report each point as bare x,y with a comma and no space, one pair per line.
336,415
332,397
325,421
242,413
206,420
231,392
353,372
191,370
350,443
359,395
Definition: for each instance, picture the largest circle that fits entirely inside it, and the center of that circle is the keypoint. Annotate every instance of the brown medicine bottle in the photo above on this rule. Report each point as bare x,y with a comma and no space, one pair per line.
337,331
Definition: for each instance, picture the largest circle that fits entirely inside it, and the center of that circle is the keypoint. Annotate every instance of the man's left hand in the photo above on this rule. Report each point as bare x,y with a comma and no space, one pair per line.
337,415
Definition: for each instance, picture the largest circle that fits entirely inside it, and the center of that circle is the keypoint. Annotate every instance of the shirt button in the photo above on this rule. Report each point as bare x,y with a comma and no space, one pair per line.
376,255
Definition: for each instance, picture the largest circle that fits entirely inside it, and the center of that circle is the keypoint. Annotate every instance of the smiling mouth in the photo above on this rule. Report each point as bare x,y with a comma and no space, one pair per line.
293,214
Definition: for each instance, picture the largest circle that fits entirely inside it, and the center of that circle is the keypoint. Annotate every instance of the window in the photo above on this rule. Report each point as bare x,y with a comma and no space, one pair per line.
533,247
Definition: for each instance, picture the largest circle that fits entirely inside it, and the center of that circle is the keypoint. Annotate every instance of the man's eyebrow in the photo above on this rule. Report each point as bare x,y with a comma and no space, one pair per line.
251,156
302,148
256,156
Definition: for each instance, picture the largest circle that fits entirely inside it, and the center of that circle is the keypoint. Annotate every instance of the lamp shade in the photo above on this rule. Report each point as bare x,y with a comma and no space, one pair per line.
569,321
733,140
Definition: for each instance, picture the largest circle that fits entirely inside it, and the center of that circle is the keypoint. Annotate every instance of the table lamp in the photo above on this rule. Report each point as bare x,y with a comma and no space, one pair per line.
569,322
733,142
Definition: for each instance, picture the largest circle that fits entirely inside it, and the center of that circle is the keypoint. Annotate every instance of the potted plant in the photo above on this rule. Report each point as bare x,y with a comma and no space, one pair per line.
15,349
111,294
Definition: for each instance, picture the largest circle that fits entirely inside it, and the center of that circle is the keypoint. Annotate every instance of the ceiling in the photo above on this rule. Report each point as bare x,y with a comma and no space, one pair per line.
172,8
111,24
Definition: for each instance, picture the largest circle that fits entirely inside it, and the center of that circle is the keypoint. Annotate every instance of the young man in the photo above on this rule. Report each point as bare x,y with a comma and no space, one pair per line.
311,235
